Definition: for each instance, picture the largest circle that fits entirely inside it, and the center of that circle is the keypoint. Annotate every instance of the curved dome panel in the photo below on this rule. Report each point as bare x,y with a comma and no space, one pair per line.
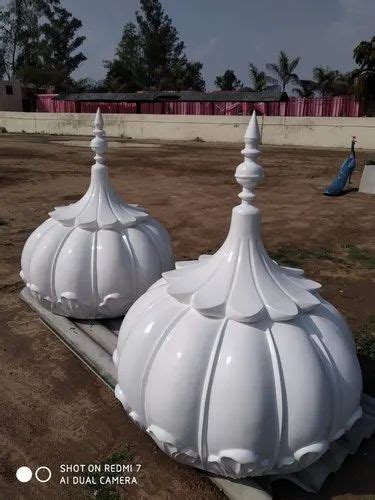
269,422
28,249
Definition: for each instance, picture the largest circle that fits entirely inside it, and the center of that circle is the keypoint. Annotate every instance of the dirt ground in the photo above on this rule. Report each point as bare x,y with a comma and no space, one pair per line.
53,410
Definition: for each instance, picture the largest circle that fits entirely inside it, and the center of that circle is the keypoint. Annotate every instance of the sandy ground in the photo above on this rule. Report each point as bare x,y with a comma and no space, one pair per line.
52,409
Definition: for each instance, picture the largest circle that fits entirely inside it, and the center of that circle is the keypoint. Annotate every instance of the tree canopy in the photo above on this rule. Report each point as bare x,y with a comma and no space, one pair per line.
330,82
325,80
228,81
39,42
150,55
364,54
283,71
258,79
364,76
305,88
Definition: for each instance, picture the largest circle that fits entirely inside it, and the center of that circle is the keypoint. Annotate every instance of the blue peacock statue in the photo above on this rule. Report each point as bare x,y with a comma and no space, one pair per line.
344,174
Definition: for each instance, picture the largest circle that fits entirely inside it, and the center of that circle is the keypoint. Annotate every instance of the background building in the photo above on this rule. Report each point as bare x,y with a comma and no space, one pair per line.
10,95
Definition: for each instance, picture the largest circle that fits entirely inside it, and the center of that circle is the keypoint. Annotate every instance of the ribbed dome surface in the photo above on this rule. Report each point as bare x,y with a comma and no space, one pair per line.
234,364
94,258
235,398
92,274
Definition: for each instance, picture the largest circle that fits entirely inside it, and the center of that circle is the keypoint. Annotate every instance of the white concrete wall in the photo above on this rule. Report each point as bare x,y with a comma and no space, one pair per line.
10,102
321,132
292,131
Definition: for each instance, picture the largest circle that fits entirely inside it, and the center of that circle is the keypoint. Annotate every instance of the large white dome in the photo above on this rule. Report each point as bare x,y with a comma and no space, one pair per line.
235,364
94,258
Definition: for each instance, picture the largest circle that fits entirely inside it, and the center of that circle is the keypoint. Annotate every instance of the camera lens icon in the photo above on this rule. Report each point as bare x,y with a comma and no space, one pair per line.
42,474
45,476
24,474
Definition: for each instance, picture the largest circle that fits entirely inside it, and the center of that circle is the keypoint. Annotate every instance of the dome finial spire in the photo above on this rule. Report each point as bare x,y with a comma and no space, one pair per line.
100,207
99,143
249,173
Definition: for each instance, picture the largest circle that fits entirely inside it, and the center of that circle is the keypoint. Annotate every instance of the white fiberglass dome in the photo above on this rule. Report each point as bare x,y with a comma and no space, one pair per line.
235,364
94,258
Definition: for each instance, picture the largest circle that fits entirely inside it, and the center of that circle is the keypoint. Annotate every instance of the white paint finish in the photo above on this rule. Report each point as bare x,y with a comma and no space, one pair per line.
244,351
32,242
234,364
367,184
143,348
95,257
228,397
72,268
180,345
276,130
111,248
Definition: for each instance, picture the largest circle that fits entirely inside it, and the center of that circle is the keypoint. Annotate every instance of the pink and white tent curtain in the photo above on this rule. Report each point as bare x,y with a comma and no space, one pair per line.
330,106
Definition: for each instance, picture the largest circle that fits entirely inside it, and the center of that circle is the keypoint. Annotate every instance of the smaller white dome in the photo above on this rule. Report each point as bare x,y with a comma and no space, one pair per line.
95,257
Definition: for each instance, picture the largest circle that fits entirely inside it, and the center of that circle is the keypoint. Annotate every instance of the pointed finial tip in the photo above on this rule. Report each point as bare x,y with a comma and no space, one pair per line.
252,131
98,119
99,143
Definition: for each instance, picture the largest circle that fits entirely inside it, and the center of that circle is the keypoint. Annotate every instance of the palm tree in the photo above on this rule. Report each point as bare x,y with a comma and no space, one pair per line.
364,56
258,79
283,71
306,88
344,84
330,82
325,80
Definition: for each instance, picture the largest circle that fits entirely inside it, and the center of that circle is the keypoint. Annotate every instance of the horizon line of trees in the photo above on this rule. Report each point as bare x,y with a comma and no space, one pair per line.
325,82
40,45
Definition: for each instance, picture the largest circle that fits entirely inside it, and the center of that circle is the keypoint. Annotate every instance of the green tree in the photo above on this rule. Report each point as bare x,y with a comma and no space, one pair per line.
344,84
86,85
283,71
150,55
364,76
306,89
325,80
2,63
330,82
126,73
39,42
17,29
187,75
33,15
60,45
364,54
258,79
228,81
162,48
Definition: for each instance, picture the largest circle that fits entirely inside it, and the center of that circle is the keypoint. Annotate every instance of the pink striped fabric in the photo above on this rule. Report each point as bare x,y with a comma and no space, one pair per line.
329,106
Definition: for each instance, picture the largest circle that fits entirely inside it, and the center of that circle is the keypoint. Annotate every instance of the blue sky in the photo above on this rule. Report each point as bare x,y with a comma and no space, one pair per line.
229,33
